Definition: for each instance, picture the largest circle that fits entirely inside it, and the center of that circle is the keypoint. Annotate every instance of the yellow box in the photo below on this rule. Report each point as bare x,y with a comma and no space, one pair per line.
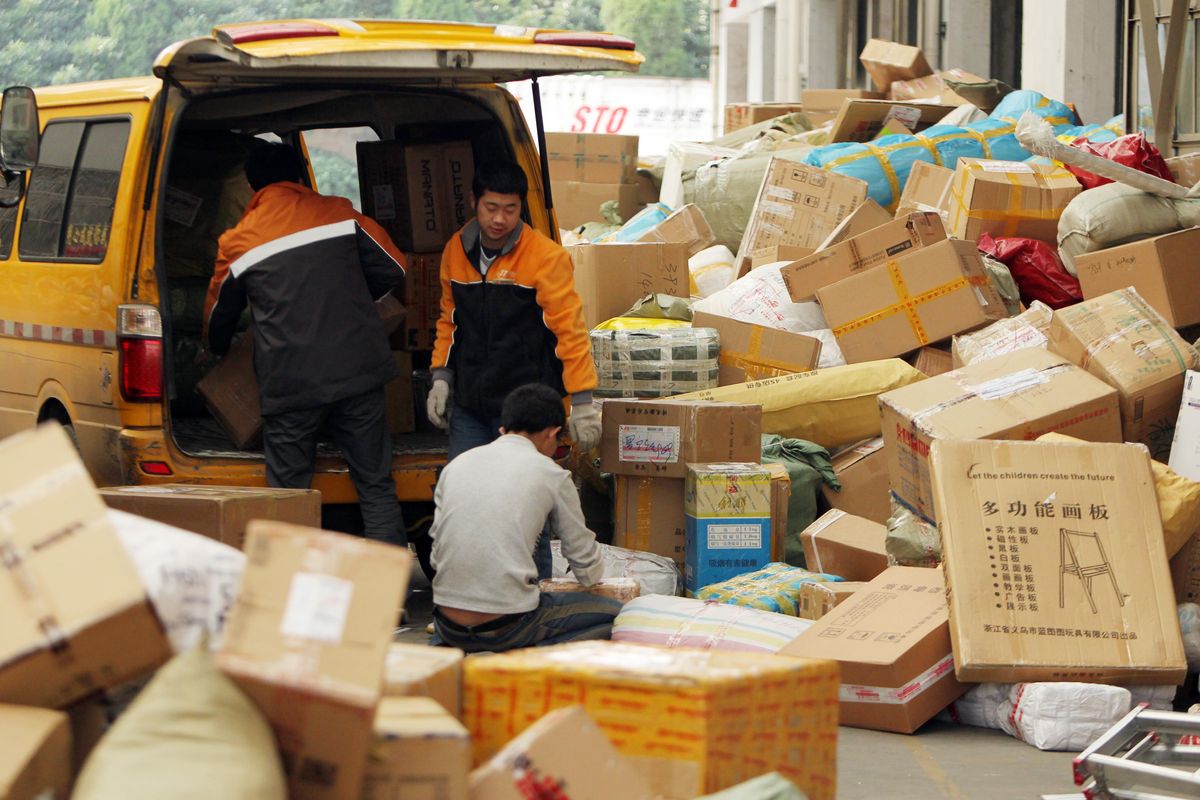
727,490
692,721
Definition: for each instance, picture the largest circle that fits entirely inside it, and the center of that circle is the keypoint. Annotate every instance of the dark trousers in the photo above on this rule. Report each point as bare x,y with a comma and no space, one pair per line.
560,617
359,429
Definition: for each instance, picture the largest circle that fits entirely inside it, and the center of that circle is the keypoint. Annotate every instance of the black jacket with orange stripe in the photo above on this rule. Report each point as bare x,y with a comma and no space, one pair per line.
310,267
521,323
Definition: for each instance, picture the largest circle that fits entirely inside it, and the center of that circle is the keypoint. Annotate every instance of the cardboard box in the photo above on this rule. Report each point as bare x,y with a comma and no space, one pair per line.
1026,330
610,278
420,750
823,105
1009,198
864,120
911,301
863,473
933,361
933,87
780,252
727,511
818,598
423,291
842,544
1185,572
76,618
867,217
741,115
415,670
1021,395
398,395
419,193
781,495
592,157
620,589
927,189
797,205
230,391
873,248
566,750
648,516
751,352
306,641
35,754
1123,341
692,721
1055,564
891,639
887,62
577,203
1185,169
218,512
686,226
1185,444
1162,270
659,438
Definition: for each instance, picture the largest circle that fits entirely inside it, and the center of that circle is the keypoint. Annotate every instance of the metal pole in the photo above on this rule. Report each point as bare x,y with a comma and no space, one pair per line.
541,143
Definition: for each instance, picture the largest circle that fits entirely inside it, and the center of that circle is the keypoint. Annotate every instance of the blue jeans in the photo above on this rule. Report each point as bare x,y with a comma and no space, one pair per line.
560,617
467,431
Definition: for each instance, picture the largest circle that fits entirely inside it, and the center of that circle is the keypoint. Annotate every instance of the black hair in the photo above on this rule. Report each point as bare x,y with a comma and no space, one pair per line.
501,177
532,408
271,162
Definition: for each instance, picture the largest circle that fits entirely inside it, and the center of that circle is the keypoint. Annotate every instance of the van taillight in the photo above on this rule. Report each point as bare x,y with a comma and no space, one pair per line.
139,338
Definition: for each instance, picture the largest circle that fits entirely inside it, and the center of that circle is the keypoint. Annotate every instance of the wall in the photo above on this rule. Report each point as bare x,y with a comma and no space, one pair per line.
1069,53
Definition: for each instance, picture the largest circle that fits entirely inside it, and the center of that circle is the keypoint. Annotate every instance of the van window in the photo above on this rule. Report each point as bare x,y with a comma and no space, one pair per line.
72,191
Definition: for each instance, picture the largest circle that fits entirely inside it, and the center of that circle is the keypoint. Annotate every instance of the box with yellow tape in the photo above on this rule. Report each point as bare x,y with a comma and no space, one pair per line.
692,721
751,352
1009,198
648,516
911,301
727,511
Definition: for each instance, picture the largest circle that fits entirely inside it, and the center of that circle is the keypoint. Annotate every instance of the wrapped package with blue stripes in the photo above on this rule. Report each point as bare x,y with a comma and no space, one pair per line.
776,587
655,362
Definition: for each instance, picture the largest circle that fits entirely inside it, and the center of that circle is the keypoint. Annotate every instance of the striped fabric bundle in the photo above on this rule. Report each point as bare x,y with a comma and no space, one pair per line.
683,622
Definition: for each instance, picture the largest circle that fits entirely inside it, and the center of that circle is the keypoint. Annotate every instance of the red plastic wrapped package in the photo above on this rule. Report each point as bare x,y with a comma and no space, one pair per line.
1036,268
1131,150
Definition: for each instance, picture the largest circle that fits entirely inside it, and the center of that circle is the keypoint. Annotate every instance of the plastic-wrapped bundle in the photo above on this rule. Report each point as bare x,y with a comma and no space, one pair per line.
776,587
911,541
655,363
686,622
654,574
1027,329
710,271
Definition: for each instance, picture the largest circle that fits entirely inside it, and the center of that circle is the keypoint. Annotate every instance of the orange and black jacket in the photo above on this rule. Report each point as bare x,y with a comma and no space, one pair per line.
521,323
310,267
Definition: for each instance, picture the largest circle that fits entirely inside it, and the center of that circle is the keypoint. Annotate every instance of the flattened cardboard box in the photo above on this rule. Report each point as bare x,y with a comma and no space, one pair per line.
610,278
892,641
927,189
414,670
864,120
1021,395
1055,563
823,105
818,598
863,473
35,754
218,512
420,750
842,544
659,438
887,62
76,617
1162,269
911,301
592,157
1009,198
1123,341
648,516
577,203
752,352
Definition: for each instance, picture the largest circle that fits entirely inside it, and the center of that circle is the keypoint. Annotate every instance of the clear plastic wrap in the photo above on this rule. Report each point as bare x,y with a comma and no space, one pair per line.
657,362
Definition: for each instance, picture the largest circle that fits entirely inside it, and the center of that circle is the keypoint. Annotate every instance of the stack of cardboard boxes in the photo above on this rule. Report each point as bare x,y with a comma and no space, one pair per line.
588,170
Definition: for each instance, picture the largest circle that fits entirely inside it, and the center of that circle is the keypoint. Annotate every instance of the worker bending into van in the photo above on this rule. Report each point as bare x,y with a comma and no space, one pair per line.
491,504
310,267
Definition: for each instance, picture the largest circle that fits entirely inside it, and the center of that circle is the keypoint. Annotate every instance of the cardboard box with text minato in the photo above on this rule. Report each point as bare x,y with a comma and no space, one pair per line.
1162,270
1008,198
35,754
659,438
648,516
306,641
752,352
610,278
891,639
842,544
414,670
863,473
419,193
818,598
420,750
1055,564
1018,396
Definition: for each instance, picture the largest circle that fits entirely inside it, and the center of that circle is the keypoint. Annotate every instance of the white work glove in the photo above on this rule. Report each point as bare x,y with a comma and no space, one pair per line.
585,426
435,405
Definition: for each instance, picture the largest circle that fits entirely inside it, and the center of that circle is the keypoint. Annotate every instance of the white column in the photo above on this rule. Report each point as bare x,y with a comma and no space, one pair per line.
968,40
1069,53
734,42
760,55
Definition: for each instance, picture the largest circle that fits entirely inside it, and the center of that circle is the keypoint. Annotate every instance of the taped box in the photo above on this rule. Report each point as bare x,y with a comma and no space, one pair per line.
867,217
865,120
823,105
933,87
307,640
1055,563
690,721
911,301
659,438
35,754
1009,198
887,62
742,115
1161,269
685,622
842,544
752,352
577,203
415,670
863,473
1026,330
1018,396
612,277
230,392
419,750
927,189
657,362
592,157
686,226
727,510
648,516
1127,344
819,598
891,639
76,617
218,512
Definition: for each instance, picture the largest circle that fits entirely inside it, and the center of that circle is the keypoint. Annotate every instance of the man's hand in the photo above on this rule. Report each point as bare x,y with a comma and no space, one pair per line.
585,426
435,405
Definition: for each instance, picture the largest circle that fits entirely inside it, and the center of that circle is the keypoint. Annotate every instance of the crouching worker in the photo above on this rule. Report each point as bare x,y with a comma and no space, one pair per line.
491,505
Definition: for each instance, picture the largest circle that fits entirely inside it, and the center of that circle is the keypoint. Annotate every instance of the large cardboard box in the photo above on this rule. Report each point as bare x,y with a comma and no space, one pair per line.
218,512
685,225
592,157
887,62
230,391
863,473
933,87
415,670
423,294
398,396
903,236
35,754
741,115
864,120
1055,564
1185,169
842,544
564,750
306,641
1123,341
420,750
1021,395
818,598
691,721
867,217
1162,269
610,278
891,639
797,204
659,438
752,352
781,495
76,618
933,361
911,301
577,203
927,189
823,105
728,519
1009,198
1185,572
648,516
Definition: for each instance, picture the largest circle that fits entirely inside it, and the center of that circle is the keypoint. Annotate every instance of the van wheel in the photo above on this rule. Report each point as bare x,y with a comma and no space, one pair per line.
59,415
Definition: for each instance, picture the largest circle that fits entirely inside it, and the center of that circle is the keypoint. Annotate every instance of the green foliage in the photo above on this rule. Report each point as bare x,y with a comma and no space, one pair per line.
671,34
335,174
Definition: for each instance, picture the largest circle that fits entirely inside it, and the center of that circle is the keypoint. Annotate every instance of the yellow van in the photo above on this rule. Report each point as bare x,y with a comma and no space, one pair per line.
108,223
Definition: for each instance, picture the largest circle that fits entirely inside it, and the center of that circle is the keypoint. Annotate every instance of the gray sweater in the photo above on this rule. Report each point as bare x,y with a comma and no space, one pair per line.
491,504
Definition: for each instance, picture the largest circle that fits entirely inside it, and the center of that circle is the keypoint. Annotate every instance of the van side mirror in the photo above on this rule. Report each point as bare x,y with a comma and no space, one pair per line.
19,129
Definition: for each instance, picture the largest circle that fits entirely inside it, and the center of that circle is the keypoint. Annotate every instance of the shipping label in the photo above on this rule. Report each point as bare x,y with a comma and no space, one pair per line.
651,444
317,607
